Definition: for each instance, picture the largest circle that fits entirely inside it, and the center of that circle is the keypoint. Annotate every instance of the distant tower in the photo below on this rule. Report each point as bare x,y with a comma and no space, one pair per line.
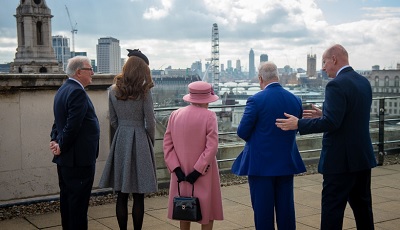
229,64
215,56
108,55
311,65
263,58
252,71
238,66
35,53
197,68
61,49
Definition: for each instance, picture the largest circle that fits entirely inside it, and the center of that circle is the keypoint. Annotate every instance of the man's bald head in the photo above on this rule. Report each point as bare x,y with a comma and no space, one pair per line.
333,59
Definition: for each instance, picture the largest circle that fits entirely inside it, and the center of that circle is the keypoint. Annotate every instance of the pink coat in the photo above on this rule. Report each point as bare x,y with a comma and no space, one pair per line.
191,142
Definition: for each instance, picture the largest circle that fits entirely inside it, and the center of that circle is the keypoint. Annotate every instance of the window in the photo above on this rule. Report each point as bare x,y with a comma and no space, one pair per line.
39,33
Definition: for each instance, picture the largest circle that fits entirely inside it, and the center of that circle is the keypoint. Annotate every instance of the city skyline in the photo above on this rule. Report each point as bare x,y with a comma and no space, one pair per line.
177,33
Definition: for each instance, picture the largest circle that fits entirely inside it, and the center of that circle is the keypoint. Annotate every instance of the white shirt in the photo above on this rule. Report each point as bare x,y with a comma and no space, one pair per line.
76,81
271,84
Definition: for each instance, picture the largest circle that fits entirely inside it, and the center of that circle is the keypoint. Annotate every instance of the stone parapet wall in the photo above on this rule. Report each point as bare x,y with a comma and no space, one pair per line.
26,118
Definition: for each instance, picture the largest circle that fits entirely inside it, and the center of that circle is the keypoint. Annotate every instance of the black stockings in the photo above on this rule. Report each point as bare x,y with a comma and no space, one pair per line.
137,210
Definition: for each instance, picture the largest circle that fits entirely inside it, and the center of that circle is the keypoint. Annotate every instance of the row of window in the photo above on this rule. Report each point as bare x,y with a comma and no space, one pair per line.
395,83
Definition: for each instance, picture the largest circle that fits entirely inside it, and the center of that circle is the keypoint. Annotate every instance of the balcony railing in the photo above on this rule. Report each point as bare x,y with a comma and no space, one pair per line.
382,145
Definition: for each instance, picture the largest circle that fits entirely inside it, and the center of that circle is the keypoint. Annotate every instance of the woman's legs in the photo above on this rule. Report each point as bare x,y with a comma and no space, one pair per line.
138,210
122,210
208,226
184,225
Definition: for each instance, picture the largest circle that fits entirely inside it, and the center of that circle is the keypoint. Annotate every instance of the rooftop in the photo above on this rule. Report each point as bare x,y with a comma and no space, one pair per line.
237,207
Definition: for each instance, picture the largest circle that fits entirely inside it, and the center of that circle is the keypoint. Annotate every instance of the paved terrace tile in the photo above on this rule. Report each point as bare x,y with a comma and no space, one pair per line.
237,208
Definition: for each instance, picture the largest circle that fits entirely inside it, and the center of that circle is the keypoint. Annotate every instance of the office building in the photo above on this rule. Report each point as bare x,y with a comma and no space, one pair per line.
108,55
229,64
238,66
263,58
252,70
61,49
197,68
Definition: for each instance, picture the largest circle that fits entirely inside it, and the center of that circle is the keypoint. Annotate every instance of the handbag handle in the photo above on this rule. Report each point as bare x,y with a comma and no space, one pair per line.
179,189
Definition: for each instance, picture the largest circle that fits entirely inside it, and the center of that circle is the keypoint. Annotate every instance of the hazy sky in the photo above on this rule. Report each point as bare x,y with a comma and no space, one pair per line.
178,32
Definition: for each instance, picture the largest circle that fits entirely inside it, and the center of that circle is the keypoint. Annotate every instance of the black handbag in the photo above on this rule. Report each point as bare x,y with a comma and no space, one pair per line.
186,207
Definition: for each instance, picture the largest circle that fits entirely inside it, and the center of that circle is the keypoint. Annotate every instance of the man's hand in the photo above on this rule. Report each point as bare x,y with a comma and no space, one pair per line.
55,148
287,124
312,113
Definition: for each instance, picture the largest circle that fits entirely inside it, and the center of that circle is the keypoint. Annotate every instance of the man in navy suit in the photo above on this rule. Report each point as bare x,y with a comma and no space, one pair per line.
75,143
270,157
347,155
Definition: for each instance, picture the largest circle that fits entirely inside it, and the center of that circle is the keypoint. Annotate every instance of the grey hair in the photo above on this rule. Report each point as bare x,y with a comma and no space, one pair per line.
268,71
75,64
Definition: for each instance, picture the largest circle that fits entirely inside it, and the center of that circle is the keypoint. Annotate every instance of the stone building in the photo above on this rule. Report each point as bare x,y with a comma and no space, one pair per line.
385,83
35,52
311,65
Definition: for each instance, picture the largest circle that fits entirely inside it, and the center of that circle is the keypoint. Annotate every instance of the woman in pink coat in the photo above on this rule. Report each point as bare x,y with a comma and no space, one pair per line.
190,149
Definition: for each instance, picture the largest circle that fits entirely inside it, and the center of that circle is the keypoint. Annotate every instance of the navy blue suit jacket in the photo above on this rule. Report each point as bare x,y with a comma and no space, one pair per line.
269,151
346,143
76,127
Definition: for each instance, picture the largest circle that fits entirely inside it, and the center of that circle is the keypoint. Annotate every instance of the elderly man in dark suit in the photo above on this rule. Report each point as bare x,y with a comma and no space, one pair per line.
347,155
270,157
75,143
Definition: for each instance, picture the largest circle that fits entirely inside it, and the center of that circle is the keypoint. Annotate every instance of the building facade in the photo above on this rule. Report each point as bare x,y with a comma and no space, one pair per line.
108,55
61,49
385,83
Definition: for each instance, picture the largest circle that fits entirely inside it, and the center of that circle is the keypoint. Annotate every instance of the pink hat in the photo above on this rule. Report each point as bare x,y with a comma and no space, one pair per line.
200,92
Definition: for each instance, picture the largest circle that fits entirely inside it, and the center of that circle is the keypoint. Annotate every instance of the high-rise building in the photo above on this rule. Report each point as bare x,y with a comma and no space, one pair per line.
252,70
263,58
61,49
238,66
229,64
108,55
93,64
197,68
311,65
80,53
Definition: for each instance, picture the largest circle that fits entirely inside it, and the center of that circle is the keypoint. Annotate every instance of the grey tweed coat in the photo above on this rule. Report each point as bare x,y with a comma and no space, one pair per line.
130,167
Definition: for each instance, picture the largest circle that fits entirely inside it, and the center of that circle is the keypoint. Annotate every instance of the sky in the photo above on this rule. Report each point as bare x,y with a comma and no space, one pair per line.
177,33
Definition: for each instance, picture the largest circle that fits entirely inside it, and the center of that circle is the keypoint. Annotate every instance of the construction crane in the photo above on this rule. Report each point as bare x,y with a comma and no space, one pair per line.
73,30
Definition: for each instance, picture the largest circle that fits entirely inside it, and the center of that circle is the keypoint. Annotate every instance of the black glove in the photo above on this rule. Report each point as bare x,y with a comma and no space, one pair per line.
179,173
193,176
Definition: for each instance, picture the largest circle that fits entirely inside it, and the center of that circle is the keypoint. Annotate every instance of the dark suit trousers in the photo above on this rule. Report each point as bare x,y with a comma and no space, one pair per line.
269,195
75,189
338,189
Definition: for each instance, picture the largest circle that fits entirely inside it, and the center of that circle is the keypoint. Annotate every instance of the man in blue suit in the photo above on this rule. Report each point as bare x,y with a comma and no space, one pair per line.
75,143
347,155
270,157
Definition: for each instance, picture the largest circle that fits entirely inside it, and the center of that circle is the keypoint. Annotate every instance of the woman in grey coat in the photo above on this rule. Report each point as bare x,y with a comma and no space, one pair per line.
130,167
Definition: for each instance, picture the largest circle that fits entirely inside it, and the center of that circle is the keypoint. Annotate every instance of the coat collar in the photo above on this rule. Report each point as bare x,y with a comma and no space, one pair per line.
344,70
